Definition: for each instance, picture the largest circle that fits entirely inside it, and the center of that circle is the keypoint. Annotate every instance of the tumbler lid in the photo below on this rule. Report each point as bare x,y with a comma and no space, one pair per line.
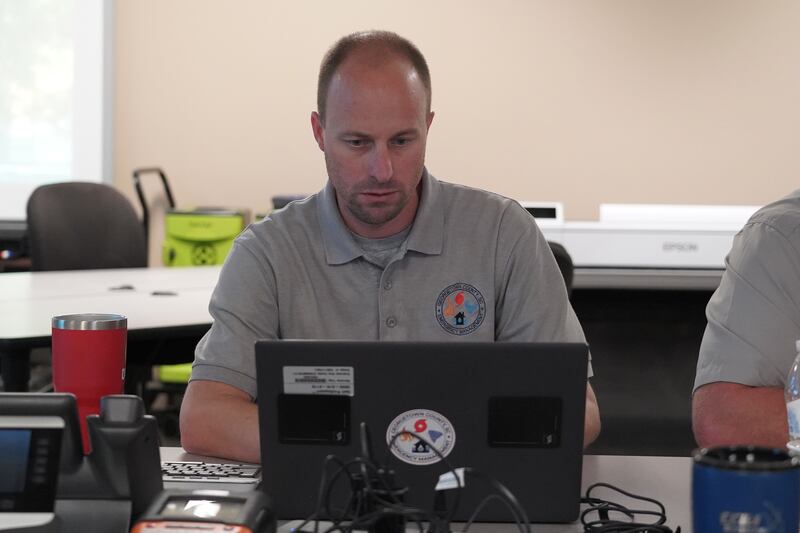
90,321
746,458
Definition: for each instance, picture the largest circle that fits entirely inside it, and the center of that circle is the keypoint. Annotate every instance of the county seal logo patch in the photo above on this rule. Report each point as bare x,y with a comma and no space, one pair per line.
460,309
411,435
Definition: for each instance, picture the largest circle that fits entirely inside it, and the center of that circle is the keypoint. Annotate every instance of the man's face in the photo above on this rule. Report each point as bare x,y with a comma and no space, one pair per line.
374,136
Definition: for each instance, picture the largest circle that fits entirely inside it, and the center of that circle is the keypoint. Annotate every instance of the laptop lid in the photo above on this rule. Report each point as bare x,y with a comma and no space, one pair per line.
513,411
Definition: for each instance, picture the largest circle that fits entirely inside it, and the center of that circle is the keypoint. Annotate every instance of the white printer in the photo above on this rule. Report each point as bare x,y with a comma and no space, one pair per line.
644,236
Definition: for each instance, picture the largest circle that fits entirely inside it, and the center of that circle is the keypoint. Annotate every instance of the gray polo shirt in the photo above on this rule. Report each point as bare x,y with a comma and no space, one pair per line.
475,267
754,315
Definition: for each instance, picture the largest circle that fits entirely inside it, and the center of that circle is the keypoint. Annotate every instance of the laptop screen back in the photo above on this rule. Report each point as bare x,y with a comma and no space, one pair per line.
513,411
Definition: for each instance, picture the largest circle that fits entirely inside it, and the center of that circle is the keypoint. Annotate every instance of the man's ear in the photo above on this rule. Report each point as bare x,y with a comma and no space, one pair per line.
430,119
318,129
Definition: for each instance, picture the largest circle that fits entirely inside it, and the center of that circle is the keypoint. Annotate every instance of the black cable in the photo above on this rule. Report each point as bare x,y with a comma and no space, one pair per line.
373,490
505,496
381,474
325,488
488,499
385,507
441,526
363,522
606,524
344,469
388,508
322,485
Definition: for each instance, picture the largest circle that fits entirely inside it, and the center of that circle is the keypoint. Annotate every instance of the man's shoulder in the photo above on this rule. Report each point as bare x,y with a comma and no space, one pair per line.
296,212
483,214
466,195
782,216
296,218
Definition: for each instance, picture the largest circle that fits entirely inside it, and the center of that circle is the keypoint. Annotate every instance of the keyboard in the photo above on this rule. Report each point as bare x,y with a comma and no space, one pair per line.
209,472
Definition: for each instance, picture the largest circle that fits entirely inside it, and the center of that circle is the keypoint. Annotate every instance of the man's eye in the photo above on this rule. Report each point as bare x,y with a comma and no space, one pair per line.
401,141
355,143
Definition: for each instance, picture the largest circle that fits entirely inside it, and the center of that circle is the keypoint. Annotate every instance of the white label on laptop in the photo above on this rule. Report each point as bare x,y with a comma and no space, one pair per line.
413,434
448,481
328,380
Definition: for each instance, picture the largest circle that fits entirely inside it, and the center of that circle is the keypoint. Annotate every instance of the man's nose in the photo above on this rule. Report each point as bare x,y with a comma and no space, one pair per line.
381,167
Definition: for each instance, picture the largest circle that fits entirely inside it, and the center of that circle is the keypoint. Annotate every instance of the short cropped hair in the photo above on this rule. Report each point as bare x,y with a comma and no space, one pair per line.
391,42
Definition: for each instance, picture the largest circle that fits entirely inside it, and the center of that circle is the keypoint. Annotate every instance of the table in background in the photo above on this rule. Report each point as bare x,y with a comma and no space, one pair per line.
667,479
678,279
167,311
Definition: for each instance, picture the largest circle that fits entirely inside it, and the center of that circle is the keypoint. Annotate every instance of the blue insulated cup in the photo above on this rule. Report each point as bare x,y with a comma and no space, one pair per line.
745,489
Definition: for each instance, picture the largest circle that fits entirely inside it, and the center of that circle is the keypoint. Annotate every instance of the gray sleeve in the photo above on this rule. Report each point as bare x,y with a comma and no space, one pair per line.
532,303
244,309
753,317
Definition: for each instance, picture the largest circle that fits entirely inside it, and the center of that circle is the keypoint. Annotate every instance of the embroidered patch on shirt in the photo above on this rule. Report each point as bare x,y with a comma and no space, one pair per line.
460,309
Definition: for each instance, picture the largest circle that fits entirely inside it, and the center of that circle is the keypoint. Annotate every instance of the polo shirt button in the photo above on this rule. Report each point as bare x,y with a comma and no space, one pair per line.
387,285
391,321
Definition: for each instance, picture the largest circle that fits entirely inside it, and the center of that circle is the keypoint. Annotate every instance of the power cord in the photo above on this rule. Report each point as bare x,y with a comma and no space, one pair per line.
625,520
440,519
375,503
504,496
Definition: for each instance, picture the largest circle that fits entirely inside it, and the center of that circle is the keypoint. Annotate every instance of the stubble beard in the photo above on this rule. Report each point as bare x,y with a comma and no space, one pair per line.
377,213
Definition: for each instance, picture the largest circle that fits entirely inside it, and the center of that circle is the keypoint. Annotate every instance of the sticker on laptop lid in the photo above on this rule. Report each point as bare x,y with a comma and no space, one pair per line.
452,479
327,380
433,428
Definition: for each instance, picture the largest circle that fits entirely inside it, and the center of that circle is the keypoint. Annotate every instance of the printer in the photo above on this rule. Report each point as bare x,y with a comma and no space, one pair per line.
645,236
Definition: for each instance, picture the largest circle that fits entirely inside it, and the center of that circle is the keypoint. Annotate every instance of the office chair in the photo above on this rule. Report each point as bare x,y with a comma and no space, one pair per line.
78,225
565,265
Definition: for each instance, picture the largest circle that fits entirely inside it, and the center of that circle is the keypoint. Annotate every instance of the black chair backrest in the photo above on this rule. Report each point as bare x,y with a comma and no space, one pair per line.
564,262
79,225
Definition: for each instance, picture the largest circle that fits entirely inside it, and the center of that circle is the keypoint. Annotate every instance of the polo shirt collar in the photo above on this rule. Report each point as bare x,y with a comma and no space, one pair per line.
427,233
340,246
426,236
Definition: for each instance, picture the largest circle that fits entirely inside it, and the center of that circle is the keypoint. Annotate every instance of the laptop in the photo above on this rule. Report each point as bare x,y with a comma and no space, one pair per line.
512,411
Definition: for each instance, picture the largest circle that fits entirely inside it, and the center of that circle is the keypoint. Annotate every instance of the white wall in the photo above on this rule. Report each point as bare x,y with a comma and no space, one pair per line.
589,101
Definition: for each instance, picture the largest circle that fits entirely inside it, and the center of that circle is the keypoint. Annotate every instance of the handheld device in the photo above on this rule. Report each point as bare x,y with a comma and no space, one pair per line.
208,510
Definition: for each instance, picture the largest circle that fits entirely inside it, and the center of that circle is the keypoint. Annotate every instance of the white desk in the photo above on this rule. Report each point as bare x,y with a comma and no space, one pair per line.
158,302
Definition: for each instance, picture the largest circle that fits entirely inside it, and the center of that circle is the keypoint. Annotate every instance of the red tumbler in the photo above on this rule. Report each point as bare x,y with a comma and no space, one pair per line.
89,360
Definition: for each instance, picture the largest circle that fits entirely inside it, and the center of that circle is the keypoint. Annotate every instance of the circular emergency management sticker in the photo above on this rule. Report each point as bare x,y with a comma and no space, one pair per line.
433,427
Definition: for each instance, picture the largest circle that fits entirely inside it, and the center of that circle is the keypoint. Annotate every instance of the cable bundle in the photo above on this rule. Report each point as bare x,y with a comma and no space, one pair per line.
604,522
376,503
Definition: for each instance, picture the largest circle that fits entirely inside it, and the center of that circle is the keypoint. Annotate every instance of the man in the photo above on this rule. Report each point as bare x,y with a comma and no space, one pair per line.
370,255
749,343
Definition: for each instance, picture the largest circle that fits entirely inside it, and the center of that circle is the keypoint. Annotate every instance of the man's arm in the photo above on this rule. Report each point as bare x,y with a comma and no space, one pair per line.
528,267
221,421
591,424
730,413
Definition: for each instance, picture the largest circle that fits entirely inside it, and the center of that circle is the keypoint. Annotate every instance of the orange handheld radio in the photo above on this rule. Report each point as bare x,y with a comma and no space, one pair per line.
208,511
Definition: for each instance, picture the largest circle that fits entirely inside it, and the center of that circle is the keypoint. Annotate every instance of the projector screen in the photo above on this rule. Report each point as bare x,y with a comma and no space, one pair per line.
55,91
